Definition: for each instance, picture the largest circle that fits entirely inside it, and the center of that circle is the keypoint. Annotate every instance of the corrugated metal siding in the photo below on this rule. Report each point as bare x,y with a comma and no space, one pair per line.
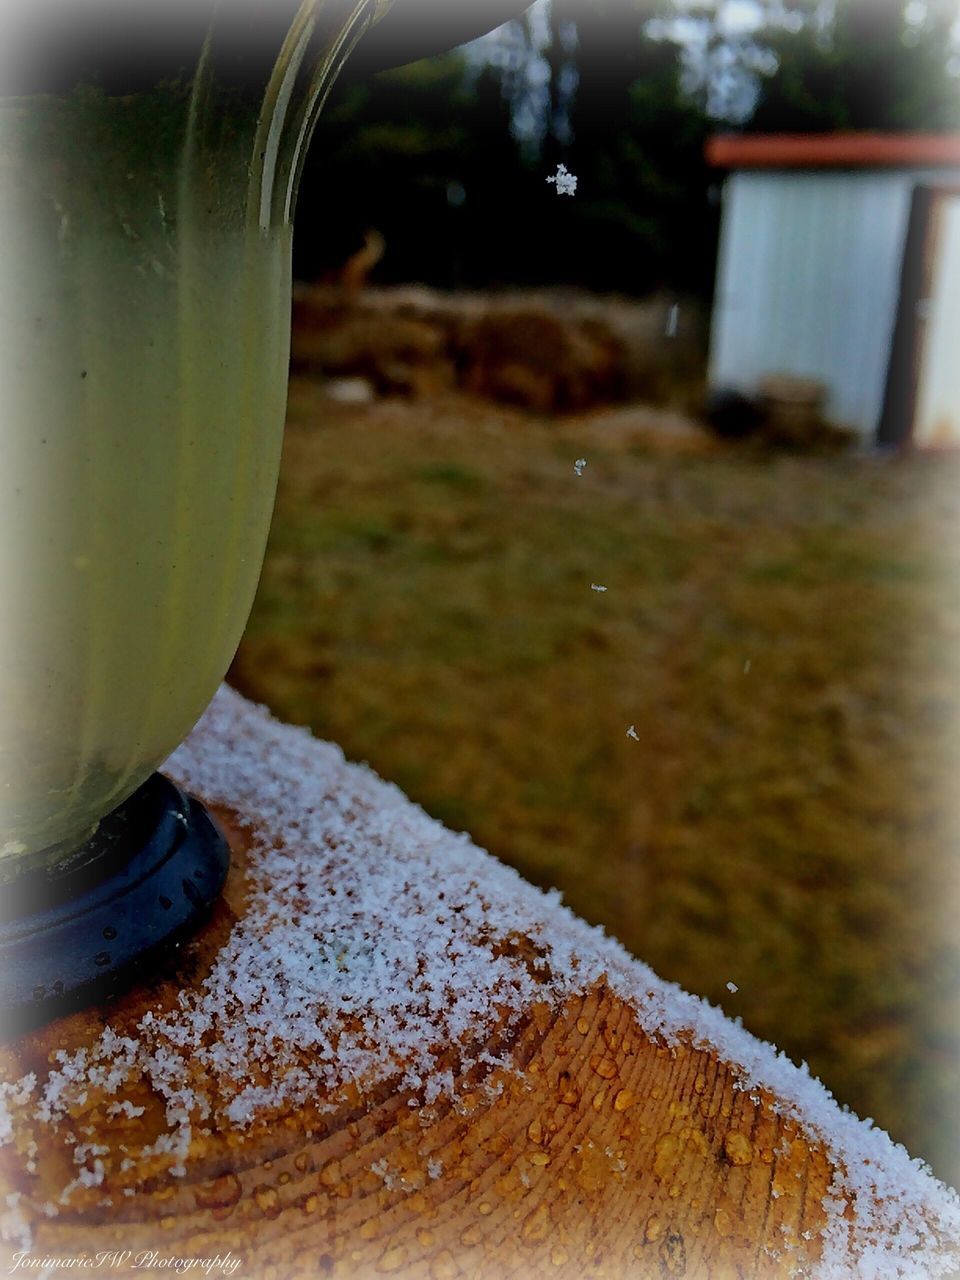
808,278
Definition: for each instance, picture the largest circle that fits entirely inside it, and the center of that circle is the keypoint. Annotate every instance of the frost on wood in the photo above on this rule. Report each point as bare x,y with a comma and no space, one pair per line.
564,181
370,942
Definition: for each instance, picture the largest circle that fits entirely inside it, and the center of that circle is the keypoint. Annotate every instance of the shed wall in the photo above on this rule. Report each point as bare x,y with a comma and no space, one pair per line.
808,279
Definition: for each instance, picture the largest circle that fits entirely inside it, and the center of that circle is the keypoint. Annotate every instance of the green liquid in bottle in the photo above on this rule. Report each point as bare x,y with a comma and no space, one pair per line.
144,336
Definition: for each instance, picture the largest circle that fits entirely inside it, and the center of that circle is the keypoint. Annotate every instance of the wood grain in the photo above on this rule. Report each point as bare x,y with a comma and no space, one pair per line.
606,1154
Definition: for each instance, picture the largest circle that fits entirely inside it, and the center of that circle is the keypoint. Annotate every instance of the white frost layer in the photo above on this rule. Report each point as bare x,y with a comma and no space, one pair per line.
367,946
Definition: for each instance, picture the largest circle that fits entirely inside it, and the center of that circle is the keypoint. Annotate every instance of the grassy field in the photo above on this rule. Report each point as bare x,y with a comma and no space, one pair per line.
783,634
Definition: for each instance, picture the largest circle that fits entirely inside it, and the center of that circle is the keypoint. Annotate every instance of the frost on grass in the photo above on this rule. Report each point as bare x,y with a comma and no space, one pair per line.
564,181
369,947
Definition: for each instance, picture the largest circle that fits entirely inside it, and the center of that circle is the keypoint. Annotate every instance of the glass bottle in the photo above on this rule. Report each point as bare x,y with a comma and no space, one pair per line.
149,159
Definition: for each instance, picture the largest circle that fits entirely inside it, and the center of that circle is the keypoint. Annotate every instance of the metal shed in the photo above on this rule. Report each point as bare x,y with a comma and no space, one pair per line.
840,261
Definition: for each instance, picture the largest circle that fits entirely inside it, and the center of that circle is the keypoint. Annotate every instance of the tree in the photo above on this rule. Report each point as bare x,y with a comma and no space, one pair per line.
637,147
448,158
870,64
422,154
426,155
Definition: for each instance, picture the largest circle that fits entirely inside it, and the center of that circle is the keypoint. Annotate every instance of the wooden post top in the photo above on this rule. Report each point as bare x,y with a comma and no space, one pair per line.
386,1054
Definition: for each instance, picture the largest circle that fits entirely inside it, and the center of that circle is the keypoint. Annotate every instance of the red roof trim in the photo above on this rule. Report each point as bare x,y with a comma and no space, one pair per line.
832,150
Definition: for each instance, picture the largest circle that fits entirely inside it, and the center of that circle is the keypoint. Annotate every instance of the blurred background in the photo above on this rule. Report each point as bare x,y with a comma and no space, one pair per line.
740,332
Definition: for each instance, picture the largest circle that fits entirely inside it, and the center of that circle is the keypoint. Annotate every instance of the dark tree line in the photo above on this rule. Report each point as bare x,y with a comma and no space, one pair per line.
448,158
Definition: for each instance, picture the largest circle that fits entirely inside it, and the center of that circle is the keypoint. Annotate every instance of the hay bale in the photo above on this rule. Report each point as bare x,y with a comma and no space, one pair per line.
336,337
538,360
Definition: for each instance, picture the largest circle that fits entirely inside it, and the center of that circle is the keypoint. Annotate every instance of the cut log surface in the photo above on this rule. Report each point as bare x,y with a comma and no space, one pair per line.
386,1054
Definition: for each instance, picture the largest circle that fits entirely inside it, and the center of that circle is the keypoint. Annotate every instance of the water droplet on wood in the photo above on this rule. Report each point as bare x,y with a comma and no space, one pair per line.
665,1154
536,1226
267,1200
221,1193
723,1222
569,1096
393,1259
443,1266
737,1148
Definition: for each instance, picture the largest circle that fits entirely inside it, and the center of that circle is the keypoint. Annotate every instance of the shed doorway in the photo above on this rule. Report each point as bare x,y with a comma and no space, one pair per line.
922,399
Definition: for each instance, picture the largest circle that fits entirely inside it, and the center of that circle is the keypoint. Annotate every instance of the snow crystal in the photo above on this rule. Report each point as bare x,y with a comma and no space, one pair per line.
579,465
14,1225
632,733
386,1175
125,1108
92,1177
368,946
83,1150
16,1093
595,586
564,181
732,986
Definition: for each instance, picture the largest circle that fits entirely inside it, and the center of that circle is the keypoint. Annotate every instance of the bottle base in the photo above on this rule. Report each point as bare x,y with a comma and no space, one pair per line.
76,933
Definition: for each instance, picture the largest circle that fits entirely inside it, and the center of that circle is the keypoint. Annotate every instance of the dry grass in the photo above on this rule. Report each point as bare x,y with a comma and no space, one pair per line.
783,633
